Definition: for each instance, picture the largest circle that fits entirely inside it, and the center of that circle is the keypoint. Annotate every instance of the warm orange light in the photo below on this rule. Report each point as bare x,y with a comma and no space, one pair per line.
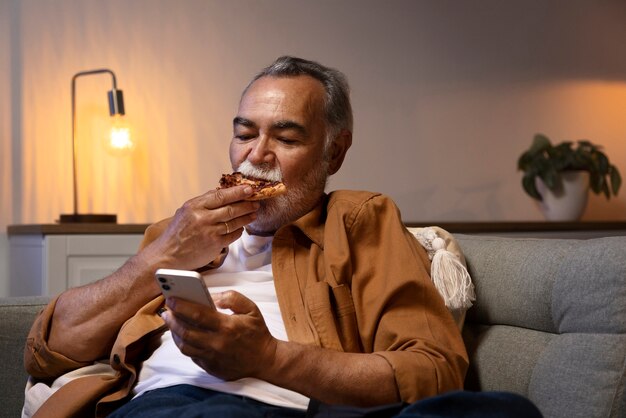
120,141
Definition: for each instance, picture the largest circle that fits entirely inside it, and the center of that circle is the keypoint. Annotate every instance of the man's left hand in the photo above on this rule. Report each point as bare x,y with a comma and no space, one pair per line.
227,346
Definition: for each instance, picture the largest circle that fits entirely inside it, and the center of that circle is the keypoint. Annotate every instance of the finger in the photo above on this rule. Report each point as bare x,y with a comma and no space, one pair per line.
192,314
236,302
237,224
214,199
192,338
234,210
191,341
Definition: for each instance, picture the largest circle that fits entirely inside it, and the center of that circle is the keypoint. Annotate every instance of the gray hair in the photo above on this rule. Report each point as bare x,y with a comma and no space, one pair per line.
337,105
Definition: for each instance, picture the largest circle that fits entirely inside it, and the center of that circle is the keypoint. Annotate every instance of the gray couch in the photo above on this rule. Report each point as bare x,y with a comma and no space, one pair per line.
549,322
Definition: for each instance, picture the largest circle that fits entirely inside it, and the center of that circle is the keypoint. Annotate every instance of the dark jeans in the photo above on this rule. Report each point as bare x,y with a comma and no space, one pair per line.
184,401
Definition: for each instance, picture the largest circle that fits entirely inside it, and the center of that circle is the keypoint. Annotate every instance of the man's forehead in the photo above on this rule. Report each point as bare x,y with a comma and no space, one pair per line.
296,92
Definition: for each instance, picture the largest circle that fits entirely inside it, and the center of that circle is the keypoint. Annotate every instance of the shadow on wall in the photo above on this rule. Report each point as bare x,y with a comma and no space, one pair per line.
457,203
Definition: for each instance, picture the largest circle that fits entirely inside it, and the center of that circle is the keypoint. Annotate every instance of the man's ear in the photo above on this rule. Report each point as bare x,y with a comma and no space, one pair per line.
338,149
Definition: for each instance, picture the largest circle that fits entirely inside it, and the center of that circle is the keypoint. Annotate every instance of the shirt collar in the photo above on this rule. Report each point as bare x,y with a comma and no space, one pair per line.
312,224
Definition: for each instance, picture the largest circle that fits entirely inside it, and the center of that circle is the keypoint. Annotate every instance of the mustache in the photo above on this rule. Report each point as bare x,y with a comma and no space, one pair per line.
264,172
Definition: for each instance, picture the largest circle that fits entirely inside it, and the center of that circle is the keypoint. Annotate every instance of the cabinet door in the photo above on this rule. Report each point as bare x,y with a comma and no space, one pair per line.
75,260
88,268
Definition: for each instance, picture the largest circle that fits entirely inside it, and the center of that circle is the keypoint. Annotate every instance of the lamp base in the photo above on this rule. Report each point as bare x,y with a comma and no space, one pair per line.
79,218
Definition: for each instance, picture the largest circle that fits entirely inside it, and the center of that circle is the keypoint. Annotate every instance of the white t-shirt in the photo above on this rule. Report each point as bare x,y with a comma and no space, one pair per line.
248,270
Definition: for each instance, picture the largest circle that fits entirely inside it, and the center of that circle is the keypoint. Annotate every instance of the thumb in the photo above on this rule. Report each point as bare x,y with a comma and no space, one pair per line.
236,302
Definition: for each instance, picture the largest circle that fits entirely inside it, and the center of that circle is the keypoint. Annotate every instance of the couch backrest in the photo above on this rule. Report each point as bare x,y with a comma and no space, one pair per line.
549,322
16,318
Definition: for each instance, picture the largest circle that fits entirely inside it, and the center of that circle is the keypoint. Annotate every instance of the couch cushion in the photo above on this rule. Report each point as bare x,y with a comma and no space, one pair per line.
595,301
503,357
580,376
549,322
517,277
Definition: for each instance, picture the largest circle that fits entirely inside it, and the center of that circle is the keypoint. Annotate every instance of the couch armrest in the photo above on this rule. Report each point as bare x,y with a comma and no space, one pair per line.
16,317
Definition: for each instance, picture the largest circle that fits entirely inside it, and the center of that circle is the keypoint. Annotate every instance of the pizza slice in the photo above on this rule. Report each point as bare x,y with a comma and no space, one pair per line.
263,189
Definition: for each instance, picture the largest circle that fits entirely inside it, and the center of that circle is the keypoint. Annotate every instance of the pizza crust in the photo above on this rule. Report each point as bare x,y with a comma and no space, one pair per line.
269,191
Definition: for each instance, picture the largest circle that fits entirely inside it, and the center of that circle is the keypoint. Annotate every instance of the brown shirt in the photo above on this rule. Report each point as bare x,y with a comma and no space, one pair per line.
348,277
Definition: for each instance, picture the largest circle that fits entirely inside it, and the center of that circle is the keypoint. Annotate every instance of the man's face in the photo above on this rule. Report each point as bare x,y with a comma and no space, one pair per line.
280,126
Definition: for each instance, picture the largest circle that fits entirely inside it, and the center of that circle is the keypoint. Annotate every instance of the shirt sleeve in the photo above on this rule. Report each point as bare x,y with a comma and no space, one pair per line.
39,361
401,316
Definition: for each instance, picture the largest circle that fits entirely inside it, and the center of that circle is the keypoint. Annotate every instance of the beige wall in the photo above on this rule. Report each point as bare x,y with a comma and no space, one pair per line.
6,166
446,95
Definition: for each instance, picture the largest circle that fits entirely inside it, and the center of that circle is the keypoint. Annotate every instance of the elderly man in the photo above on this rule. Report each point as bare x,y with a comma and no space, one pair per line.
320,297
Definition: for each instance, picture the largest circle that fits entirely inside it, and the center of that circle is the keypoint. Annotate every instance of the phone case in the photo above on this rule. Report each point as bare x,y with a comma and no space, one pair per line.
184,284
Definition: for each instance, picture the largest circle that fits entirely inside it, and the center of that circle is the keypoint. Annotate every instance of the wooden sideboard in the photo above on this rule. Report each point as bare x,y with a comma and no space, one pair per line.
46,259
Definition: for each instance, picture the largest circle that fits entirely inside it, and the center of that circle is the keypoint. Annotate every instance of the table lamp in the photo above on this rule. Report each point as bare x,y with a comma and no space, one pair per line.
119,140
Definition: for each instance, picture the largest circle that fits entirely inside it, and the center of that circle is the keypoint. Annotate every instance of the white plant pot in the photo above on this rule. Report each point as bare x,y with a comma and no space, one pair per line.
567,203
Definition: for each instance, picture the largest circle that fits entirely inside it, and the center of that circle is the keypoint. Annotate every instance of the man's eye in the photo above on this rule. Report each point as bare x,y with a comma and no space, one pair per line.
286,141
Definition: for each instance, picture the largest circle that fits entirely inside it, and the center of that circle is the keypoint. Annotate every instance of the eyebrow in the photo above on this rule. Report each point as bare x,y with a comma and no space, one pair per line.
238,120
280,125
289,124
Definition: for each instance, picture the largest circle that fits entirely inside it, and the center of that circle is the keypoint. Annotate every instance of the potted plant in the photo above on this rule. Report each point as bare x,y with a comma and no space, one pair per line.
556,164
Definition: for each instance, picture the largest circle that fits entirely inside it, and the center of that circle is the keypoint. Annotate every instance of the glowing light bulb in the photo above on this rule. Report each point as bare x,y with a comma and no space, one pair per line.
120,140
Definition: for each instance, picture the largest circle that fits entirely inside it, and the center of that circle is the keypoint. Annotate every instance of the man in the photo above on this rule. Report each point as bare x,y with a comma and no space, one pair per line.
322,297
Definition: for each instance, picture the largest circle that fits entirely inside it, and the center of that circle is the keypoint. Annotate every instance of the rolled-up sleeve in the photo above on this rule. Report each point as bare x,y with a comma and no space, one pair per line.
401,316
39,361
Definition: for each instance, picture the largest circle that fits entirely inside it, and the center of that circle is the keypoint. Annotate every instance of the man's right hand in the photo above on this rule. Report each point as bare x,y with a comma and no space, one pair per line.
87,319
203,227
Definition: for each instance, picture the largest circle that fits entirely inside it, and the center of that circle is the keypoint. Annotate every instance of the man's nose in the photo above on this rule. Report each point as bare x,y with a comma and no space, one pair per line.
261,152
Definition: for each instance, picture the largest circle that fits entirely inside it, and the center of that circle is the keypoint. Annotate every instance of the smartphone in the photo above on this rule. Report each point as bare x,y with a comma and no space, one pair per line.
184,284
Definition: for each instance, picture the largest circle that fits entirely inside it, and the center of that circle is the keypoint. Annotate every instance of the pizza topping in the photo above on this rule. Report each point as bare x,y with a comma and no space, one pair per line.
236,179
263,189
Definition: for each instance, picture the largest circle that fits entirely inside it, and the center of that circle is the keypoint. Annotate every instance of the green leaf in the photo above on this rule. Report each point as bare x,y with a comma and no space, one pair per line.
551,178
616,179
605,189
540,144
595,182
528,183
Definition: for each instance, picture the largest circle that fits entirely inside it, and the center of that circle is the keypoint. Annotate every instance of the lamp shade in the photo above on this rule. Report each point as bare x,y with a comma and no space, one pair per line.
116,102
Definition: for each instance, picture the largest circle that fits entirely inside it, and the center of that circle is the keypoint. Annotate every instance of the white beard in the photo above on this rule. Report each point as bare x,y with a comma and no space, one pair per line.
266,173
296,202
